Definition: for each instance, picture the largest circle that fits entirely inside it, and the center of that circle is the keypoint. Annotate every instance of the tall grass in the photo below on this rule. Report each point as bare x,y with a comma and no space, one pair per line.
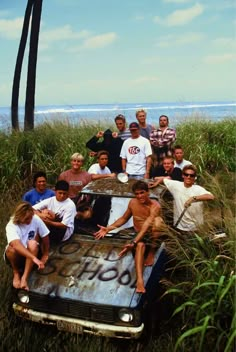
200,281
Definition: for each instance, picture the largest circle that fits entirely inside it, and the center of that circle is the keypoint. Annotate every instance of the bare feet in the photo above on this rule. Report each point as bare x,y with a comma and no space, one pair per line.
23,284
150,259
16,279
140,287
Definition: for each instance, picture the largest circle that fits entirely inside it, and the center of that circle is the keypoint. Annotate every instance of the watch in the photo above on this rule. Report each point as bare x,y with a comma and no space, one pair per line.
134,243
194,198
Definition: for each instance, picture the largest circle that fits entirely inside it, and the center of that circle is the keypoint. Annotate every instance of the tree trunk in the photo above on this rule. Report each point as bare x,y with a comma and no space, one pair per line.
32,63
18,67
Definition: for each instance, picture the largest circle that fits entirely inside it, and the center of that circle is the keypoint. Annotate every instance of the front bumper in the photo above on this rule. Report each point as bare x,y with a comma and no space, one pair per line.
79,326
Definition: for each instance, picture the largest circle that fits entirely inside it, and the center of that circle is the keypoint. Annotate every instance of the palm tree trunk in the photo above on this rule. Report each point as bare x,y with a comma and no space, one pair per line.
32,63
18,67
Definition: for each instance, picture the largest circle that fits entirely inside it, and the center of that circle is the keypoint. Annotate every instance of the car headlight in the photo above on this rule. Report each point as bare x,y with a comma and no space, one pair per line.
125,315
23,297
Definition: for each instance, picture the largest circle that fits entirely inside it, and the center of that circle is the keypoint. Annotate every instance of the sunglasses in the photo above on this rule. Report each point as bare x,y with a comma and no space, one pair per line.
189,175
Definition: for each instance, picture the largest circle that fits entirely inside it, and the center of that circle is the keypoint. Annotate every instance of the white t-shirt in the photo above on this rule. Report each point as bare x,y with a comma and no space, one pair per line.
182,164
26,232
65,210
96,169
193,216
136,151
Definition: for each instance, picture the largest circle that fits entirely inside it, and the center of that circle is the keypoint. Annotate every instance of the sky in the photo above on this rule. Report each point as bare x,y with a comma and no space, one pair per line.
127,51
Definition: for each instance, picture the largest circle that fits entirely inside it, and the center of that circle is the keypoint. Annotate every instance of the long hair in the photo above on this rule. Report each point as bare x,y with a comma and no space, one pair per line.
20,212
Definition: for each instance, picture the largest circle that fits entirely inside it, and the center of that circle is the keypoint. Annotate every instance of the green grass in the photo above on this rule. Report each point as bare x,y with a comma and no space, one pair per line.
200,283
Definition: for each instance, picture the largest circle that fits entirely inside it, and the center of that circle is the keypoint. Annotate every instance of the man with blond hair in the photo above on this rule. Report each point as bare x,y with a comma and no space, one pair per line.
78,178
25,231
144,127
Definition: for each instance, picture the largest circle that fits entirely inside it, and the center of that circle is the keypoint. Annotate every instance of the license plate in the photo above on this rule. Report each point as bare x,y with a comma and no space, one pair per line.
70,327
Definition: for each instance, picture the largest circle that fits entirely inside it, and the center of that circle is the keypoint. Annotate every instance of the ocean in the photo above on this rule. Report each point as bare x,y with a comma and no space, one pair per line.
176,111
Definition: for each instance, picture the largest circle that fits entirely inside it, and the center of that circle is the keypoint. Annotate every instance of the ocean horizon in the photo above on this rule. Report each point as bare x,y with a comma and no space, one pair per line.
176,111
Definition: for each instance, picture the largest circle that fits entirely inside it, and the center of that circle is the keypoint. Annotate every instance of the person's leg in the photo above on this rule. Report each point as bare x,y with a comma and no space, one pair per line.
139,259
157,228
15,260
33,247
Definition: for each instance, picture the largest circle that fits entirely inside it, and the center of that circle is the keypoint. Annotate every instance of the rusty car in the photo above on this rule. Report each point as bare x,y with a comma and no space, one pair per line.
85,286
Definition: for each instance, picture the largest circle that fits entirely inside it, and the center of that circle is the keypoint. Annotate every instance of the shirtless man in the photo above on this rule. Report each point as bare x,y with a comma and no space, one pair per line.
147,220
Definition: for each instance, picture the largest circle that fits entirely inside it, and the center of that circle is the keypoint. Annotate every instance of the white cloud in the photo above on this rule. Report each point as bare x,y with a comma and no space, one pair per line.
177,40
65,33
11,29
100,41
62,33
180,17
219,59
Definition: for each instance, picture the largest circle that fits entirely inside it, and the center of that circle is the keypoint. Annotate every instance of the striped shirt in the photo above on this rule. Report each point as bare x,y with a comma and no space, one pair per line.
124,134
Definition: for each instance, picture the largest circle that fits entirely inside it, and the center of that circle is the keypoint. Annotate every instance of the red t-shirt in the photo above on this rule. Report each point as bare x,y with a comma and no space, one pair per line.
76,181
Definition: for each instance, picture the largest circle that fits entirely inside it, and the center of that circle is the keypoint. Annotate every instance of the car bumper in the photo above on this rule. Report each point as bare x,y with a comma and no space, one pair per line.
79,326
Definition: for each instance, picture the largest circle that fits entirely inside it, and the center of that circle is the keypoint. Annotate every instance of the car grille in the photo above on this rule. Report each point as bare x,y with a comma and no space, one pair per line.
70,308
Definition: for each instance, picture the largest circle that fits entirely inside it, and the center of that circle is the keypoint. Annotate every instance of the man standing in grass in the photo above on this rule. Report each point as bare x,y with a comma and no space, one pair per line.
187,195
144,127
124,132
147,222
162,139
136,154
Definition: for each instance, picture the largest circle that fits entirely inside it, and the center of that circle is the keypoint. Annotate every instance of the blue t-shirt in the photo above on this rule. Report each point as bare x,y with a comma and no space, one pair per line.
34,196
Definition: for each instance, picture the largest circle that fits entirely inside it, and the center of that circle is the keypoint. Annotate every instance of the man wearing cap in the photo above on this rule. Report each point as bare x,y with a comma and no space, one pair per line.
136,154
124,132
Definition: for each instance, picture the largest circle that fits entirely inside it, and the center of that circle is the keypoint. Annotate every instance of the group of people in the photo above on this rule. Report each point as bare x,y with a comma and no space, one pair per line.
140,151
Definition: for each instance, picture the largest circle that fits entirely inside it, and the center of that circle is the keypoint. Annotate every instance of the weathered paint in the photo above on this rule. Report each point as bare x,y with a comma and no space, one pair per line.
95,270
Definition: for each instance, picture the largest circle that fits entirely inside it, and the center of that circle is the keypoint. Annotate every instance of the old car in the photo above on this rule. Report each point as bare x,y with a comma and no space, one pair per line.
85,286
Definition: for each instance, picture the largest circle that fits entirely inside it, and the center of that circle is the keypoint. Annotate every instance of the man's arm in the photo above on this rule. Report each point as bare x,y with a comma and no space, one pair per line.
123,163
57,224
93,143
148,166
201,198
119,222
157,180
98,176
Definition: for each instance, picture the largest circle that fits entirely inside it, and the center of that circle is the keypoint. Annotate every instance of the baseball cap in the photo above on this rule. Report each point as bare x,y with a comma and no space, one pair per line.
134,126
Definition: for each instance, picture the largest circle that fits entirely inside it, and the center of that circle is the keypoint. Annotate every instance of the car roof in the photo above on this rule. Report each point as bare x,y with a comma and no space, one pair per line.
113,187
